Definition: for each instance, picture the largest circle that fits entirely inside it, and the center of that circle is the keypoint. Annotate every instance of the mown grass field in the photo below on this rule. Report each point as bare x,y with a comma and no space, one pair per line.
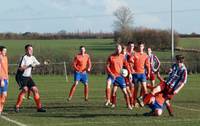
64,50
54,90
189,43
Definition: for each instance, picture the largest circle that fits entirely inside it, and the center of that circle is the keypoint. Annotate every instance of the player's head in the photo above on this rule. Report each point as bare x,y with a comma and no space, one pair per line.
82,49
118,49
3,50
124,49
179,58
141,46
149,51
131,46
29,49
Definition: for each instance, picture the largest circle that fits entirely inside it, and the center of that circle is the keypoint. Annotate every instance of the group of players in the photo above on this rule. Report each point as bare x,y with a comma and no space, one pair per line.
140,66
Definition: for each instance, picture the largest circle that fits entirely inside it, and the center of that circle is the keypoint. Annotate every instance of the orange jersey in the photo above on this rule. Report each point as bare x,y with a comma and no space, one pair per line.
160,98
82,62
140,60
3,67
131,64
115,63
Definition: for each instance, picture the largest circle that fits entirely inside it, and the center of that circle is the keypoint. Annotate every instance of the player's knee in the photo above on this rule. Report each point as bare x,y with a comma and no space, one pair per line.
35,90
25,89
158,112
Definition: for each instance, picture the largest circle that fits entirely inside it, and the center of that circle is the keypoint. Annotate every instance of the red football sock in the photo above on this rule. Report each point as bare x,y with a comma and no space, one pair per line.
3,100
20,99
37,101
114,99
169,108
108,94
72,91
86,91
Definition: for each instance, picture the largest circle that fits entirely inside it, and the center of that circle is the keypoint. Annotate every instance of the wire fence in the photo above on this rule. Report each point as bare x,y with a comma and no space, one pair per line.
65,68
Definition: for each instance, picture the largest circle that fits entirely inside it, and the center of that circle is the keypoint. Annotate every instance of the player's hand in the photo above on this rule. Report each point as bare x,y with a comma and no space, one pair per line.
33,65
130,77
2,83
88,69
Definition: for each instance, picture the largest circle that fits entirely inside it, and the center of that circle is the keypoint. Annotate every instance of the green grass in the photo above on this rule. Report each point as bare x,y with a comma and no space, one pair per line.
189,43
59,49
64,50
54,89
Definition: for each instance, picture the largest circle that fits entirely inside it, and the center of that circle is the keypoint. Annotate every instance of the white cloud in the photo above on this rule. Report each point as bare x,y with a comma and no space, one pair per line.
147,20
112,5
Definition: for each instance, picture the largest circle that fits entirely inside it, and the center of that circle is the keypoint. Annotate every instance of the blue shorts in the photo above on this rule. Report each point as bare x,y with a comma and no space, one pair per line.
5,88
139,78
82,77
120,81
155,106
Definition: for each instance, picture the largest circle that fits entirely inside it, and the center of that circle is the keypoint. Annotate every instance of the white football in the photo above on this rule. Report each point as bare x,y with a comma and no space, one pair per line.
124,72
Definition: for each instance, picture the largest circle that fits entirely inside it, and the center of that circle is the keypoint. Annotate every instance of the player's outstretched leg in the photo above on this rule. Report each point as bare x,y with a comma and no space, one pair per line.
20,98
72,90
37,99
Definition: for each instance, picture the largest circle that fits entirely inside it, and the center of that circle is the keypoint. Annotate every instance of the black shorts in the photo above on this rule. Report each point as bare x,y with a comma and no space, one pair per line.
26,81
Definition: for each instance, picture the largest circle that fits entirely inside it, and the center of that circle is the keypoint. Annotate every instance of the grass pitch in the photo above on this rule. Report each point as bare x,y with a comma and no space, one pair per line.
54,91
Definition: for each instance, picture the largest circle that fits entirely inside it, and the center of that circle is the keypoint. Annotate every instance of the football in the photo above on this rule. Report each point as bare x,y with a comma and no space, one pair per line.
124,72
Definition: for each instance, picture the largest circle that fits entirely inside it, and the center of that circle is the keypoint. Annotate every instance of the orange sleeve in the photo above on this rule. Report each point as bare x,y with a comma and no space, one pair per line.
127,65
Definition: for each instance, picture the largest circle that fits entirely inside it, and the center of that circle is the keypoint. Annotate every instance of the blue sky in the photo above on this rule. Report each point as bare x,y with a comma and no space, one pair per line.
80,15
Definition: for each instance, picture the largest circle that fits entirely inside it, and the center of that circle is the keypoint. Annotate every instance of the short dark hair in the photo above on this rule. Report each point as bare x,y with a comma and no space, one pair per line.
180,58
130,42
27,46
2,47
140,42
81,47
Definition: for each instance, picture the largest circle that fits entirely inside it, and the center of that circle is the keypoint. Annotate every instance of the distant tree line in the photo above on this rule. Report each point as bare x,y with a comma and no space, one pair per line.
59,35
154,38
189,35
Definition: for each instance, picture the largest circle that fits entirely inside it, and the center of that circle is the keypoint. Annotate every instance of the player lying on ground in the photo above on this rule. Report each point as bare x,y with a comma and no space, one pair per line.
171,86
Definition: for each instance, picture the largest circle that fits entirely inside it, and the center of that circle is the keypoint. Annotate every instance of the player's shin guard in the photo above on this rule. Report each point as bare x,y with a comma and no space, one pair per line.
86,90
71,93
114,99
20,99
108,94
37,101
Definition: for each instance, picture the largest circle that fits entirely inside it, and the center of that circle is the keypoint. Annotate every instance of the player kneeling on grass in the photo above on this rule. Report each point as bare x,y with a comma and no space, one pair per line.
3,77
82,65
26,82
115,63
171,86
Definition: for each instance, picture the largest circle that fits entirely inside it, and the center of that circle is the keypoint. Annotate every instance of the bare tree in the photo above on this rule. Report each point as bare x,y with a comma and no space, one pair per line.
123,24
124,18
